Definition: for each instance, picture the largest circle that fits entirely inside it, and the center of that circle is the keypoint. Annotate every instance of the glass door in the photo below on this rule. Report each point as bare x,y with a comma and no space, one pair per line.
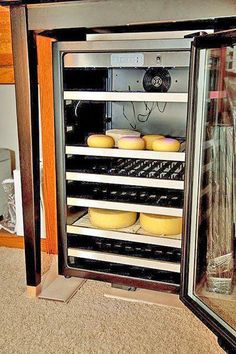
209,276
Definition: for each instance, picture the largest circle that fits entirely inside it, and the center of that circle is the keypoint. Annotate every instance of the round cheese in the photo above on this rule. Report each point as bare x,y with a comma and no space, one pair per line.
166,144
161,224
117,134
100,141
111,219
131,143
149,139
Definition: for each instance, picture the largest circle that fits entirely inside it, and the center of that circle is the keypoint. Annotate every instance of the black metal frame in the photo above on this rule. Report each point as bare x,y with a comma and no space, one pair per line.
226,38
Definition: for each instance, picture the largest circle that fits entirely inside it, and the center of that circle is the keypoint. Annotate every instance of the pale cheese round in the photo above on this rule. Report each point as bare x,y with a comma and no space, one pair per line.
149,139
161,224
117,134
111,219
100,141
166,144
131,143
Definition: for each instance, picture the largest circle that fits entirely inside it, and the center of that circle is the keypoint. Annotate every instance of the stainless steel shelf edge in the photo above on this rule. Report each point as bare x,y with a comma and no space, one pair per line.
167,44
125,236
127,36
83,202
133,261
126,96
139,154
123,180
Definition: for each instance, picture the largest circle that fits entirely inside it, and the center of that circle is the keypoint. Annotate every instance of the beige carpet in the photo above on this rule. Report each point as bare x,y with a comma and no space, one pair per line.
91,323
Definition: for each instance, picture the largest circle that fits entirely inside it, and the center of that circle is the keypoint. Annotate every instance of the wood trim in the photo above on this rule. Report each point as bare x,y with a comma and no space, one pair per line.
45,79
13,241
25,66
33,291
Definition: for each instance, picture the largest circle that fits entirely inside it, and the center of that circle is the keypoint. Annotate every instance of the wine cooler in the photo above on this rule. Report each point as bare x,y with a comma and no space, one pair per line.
180,196
136,87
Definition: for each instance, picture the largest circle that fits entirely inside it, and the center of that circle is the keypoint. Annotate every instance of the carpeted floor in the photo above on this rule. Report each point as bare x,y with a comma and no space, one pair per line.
91,323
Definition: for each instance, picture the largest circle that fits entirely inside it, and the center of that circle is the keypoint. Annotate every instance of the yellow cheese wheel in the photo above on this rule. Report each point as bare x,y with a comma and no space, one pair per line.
111,219
161,224
166,144
117,134
131,143
149,140
100,141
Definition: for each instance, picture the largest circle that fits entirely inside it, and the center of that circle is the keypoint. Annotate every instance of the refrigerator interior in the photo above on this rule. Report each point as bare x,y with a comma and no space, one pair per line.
129,180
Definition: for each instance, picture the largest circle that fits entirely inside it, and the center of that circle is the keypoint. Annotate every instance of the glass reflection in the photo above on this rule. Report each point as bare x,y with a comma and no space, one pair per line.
215,281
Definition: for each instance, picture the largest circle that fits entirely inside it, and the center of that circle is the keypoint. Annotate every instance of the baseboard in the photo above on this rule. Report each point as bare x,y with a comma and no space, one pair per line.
13,241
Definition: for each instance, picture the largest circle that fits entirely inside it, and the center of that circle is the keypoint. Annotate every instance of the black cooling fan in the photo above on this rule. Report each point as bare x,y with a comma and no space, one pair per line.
157,80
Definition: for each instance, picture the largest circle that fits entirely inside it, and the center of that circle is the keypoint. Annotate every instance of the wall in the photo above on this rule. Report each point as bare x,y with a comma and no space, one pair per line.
8,125
8,122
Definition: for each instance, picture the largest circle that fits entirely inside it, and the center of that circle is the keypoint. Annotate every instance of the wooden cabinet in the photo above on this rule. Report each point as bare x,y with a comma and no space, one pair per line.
6,57
44,46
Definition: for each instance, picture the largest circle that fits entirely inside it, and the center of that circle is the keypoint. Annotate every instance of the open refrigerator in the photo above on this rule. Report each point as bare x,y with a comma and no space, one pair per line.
101,85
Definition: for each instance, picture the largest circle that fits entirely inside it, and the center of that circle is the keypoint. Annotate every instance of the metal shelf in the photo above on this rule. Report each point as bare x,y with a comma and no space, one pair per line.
133,261
123,180
139,154
126,96
91,203
126,236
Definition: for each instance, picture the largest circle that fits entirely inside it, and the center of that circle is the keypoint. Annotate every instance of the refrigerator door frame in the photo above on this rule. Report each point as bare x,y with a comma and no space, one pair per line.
59,50
193,169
